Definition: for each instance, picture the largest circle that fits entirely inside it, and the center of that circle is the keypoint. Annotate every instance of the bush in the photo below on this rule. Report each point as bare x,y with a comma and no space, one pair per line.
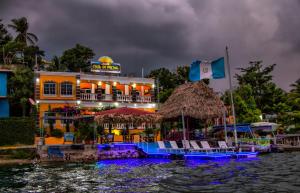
22,154
17,130
57,133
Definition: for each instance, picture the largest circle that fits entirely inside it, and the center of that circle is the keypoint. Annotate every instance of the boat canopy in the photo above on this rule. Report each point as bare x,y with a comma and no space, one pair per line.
264,126
242,128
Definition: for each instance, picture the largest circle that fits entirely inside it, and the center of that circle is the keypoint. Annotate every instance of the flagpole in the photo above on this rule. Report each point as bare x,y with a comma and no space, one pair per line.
231,98
225,127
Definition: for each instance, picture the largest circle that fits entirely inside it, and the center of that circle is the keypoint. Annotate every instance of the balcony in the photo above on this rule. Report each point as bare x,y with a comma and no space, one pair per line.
124,98
109,97
106,97
143,99
88,97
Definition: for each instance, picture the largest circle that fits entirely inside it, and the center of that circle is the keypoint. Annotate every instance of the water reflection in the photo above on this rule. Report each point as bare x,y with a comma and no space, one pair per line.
268,173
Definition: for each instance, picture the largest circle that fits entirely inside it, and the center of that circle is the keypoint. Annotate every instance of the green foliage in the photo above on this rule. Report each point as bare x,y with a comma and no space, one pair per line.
21,27
51,121
268,97
21,86
17,131
84,130
56,65
56,133
246,106
22,154
292,118
5,37
31,53
78,58
13,52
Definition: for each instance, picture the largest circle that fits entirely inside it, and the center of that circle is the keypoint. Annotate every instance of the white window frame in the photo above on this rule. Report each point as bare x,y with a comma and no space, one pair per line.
49,82
66,95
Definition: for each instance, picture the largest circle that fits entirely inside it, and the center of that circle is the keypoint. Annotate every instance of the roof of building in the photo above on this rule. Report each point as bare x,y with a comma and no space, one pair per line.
100,77
195,100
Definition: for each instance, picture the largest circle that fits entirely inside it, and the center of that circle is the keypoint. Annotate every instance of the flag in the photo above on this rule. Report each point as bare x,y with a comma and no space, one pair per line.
207,70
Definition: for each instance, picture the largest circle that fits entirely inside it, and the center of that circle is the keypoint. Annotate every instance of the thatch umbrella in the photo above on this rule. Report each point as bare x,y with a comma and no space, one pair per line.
126,115
193,100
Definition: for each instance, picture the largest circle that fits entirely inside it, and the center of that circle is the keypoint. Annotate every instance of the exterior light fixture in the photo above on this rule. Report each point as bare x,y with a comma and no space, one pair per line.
133,85
115,83
37,101
153,85
100,104
78,102
37,80
78,81
116,104
99,83
135,104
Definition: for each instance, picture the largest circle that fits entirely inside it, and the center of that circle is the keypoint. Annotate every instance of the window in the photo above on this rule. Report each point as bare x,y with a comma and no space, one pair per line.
119,92
49,88
66,88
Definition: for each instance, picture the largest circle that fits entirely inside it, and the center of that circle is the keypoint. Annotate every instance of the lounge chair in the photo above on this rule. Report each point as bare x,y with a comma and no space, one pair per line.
186,144
223,146
175,146
195,146
161,146
205,146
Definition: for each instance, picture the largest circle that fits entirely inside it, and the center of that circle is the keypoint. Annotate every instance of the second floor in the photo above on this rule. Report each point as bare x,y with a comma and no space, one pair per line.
91,87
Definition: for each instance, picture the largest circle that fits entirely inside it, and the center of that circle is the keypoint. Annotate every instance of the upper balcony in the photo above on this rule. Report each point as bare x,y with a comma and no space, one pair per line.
109,97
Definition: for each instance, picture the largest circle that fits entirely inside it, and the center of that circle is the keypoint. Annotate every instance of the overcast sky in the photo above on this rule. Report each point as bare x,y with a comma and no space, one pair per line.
168,33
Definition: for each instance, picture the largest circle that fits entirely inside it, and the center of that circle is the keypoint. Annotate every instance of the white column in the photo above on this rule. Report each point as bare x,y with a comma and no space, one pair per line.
142,90
126,89
93,88
107,89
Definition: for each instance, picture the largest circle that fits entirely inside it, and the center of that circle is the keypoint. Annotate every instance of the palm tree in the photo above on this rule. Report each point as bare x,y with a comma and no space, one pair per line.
21,27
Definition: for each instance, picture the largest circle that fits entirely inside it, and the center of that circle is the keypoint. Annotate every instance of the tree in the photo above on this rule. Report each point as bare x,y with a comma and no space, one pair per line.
245,105
13,52
56,65
167,81
78,58
21,87
4,38
21,27
32,53
292,118
182,74
268,97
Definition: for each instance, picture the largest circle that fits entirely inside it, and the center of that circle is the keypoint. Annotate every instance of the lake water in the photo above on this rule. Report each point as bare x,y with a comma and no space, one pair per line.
278,172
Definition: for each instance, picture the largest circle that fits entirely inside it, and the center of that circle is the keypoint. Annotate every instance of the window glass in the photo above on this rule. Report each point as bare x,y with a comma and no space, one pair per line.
50,88
66,88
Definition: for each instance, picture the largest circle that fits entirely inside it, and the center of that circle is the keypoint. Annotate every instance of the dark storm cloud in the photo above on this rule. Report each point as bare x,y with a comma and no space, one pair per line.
169,33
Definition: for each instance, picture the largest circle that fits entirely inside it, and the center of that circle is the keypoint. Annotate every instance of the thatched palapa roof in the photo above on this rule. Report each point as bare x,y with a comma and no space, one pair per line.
196,100
127,115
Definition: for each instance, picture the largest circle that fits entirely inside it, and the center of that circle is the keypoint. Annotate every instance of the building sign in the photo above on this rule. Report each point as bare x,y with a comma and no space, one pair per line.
105,64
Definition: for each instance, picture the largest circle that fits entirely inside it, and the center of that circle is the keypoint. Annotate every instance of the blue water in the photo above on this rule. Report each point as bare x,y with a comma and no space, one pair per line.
267,173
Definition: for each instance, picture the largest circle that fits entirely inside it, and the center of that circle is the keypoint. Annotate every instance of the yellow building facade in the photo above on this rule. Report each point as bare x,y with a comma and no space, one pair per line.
89,91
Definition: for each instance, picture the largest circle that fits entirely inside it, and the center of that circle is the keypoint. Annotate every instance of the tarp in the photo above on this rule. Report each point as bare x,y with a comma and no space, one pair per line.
264,126
245,128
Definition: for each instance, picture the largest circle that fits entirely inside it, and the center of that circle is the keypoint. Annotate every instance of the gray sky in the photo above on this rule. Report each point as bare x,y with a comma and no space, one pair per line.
168,33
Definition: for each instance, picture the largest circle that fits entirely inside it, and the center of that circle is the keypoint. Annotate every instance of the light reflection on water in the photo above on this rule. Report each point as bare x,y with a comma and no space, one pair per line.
268,173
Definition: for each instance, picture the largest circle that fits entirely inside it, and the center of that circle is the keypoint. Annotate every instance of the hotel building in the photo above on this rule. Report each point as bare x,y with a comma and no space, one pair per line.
89,91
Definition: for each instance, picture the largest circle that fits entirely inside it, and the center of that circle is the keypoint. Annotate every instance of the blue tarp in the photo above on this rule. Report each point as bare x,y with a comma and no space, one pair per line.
239,128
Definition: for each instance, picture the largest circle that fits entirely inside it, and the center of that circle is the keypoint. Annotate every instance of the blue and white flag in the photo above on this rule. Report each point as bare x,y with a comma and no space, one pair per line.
207,70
